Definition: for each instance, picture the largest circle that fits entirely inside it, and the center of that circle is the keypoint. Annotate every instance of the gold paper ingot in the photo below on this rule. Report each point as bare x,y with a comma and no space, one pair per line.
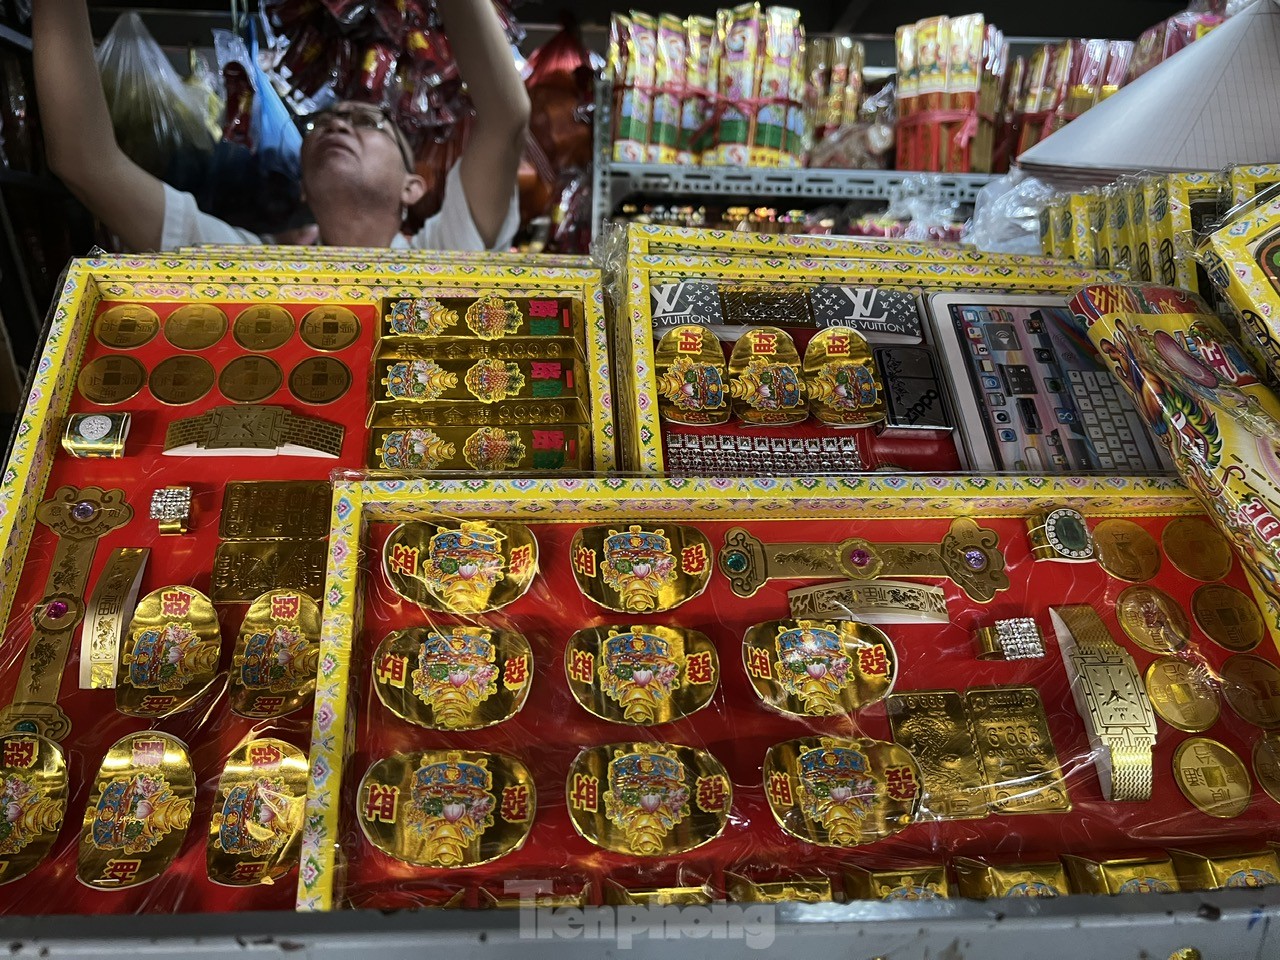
616,895
467,566
891,885
765,381
1225,870
255,831
1154,874
819,668
648,799
844,384
692,376
934,726
984,879
170,654
517,445
490,317
643,675
33,800
461,677
836,792
138,813
490,900
273,671
632,568
799,890
446,808
486,380
459,414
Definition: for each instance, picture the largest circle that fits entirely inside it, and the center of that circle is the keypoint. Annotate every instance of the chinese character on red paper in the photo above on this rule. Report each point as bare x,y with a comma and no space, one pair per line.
175,603
548,439
20,753
545,369
404,559
711,793
521,560
264,755
391,669
693,559
286,607
585,794
759,664
543,308
267,704
780,789
838,345
698,668
148,753
584,561
764,343
121,871
381,803
900,783
250,872
515,672
689,341
582,665
872,661
515,803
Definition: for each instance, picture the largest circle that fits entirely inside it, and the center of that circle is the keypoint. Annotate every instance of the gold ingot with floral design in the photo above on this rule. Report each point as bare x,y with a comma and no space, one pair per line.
765,379
255,832
170,654
273,671
33,800
461,566
632,568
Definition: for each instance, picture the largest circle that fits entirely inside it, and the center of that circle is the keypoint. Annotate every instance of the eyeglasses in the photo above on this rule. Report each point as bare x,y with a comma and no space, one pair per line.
359,118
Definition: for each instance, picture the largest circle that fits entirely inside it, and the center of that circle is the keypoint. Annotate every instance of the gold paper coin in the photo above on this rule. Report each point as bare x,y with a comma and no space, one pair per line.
180,380
1183,694
33,777
1251,686
255,832
1212,777
1266,765
1197,548
127,326
263,327
1126,551
319,380
111,380
250,379
1152,619
1228,617
329,328
195,326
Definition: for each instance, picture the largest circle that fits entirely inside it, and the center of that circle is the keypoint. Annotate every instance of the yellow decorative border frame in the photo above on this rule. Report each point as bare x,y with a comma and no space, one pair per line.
357,502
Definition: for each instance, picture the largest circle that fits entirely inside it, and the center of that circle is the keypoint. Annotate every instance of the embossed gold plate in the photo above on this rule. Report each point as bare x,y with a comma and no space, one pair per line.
1020,763
692,376
170,654
648,799
255,831
644,674
934,726
818,668
634,568
273,671
835,792
33,801
460,677
467,566
138,812
844,384
446,808
765,381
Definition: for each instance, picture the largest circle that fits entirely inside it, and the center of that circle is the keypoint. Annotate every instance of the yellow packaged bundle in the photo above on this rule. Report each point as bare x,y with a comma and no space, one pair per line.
1242,259
740,32
1155,195
906,94
795,143
635,103
1141,266
1196,202
1100,225
1248,181
1064,230
695,103
669,74
1119,237
782,52
1083,240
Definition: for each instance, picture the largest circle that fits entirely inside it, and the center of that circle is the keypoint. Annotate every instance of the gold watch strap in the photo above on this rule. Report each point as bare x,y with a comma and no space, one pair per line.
313,433
1085,627
188,430
1130,773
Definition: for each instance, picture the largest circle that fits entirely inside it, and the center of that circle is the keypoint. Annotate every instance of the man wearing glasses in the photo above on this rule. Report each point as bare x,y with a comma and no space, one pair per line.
357,167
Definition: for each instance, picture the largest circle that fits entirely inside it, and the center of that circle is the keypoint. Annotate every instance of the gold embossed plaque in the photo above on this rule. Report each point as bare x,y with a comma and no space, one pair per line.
1183,694
632,568
273,671
1152,619
934,726
170,653
255,831
1126,551
1017,752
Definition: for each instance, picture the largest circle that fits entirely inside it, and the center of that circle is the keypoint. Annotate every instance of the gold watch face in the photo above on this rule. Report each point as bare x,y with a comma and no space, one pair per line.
1116,693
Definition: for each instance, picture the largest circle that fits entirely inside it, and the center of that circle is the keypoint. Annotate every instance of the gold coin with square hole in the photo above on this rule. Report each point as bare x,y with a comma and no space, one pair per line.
318,380
250,379
196,326
112,379
126,326
181,380
329,328
263,328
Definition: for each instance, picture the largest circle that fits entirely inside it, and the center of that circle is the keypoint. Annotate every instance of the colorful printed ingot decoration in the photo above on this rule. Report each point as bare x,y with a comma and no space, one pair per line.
255,832
982,879
416,381
1225,870
33,800
170,654
969,555
139,811
273,671
639,570
819,668
643,674
419,316
648,799
446,808
467,566
845,389
896,884
490,318
1154,874
799,890
764,379
841,793
420,381
460,677
415,448
692,377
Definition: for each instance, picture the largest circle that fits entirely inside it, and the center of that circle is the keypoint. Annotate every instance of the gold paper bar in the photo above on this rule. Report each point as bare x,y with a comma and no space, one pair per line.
485,380
983,879
245,570
934,726
490,317
486,449
1020,764
797,890
616,895
1199,870
890,884
471,348
1153,874
387,414
275,510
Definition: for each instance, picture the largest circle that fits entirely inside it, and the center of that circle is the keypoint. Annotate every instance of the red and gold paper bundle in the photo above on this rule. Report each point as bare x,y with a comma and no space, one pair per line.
671,53
740,32
694,103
